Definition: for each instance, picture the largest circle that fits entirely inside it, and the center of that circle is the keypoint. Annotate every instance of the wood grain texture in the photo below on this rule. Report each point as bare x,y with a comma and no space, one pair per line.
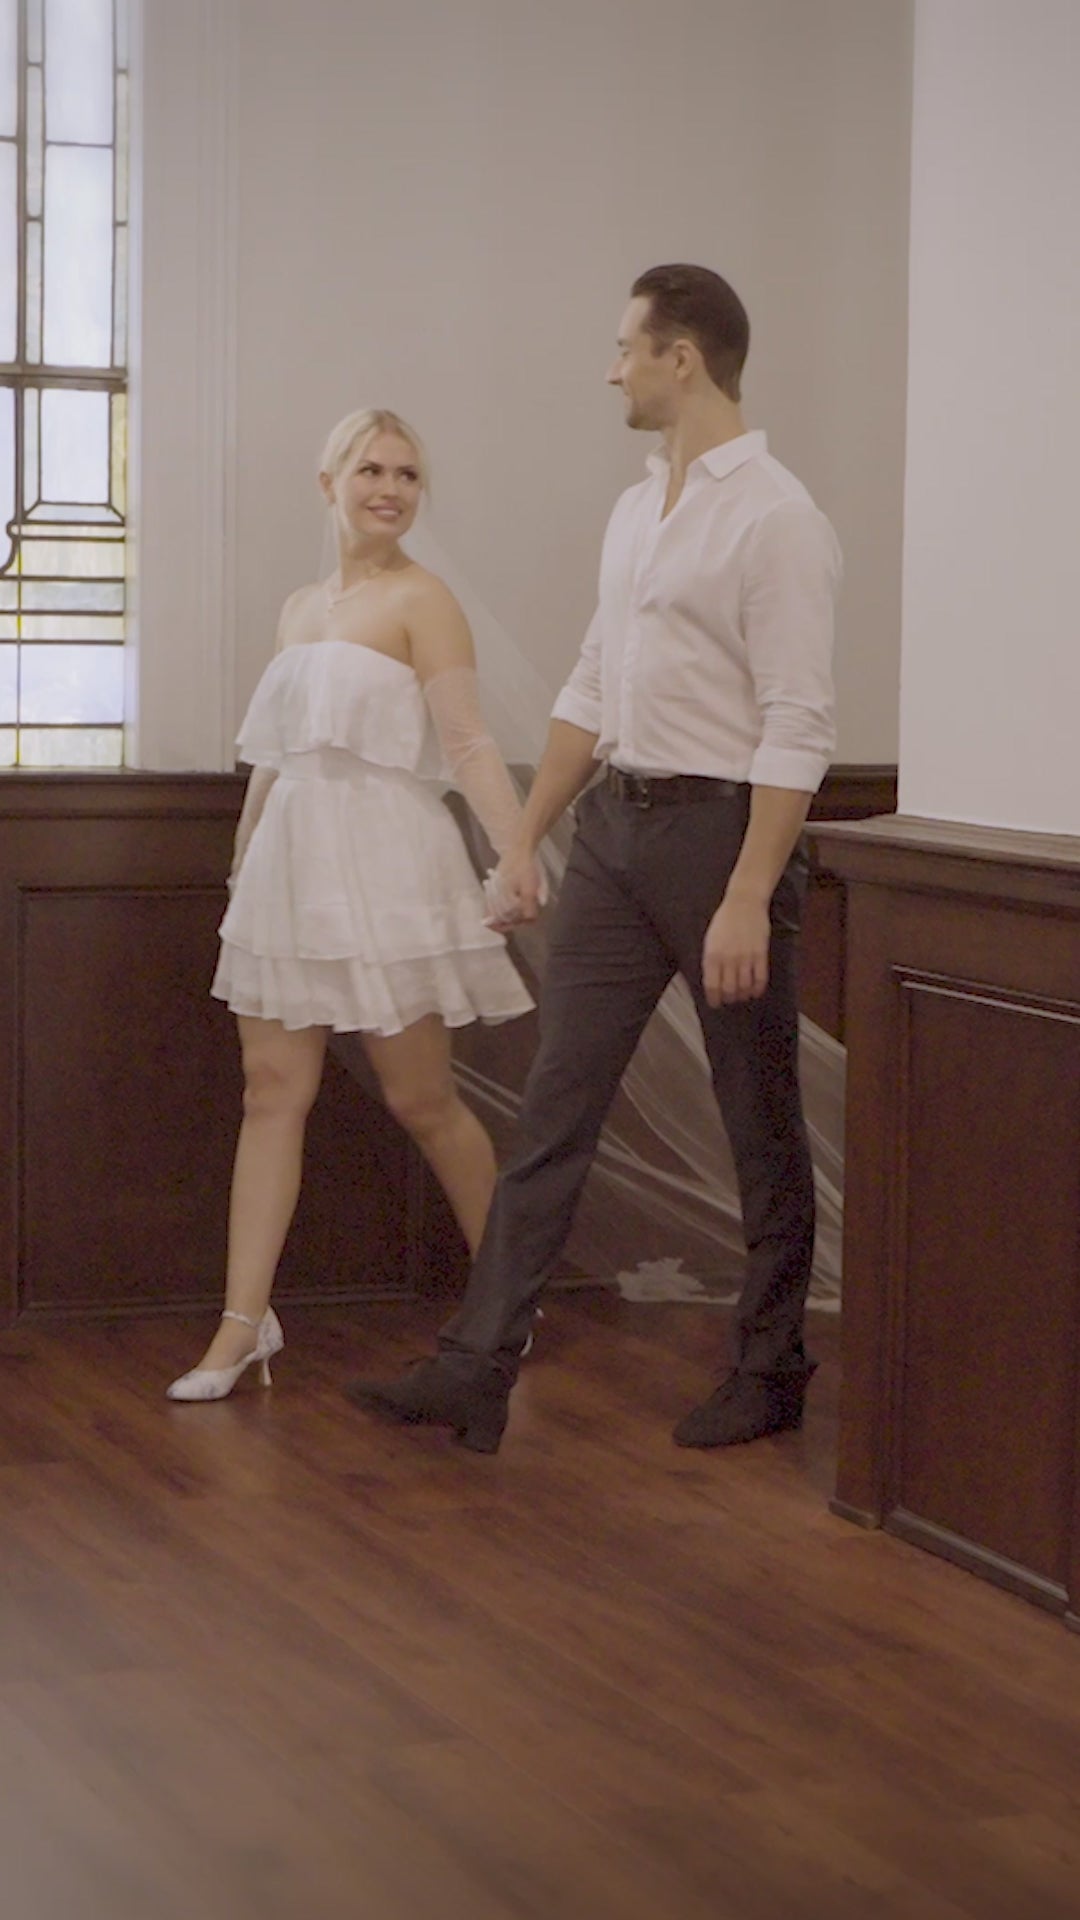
960,1417
847,793
855,791
270,1657
988,1244
123,1077
119,1084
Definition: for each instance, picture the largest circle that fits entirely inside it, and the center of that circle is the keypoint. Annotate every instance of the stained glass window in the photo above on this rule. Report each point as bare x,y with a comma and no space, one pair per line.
63,381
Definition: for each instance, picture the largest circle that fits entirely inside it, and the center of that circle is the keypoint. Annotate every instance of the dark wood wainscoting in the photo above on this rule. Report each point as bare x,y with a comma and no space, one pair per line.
848,793
960,1410
119,1077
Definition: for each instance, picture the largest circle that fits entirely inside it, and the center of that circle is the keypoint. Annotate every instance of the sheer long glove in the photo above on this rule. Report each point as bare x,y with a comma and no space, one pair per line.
477,766
479,770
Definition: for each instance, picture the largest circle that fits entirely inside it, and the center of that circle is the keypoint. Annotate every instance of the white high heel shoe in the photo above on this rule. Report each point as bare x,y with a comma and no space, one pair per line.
214,1383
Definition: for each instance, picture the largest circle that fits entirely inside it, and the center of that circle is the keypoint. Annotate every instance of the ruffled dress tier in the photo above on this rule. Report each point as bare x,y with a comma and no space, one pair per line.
356,906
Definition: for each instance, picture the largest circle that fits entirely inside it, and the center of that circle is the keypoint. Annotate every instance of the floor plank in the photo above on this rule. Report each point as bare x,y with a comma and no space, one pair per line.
270,1656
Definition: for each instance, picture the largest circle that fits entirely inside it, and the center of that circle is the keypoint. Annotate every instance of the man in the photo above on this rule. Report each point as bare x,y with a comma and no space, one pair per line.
704,686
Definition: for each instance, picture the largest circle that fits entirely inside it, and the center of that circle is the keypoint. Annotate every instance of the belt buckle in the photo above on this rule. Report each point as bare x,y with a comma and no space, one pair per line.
632,787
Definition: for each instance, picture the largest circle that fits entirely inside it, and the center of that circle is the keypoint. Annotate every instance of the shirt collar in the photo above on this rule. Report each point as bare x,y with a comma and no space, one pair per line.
719,461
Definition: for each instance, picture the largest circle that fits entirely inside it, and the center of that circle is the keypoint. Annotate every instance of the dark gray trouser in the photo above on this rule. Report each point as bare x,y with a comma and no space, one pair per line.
641,886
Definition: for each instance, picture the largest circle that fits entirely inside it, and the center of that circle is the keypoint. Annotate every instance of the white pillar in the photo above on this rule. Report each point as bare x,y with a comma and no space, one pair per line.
990,654
183,449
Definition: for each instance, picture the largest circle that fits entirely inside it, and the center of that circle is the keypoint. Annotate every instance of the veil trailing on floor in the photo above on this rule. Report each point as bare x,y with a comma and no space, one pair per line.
660,1213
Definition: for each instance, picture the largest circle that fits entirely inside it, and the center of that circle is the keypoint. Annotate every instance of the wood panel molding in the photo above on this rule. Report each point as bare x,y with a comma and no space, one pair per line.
943,857
119,1081
960,1411
119,1076
855,792
847,793
123,796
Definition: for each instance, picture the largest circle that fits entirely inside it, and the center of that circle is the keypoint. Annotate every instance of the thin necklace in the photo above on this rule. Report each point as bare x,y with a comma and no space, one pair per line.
335,594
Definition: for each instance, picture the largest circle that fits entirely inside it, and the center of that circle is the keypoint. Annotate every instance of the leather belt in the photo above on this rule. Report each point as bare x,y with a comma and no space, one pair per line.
646,790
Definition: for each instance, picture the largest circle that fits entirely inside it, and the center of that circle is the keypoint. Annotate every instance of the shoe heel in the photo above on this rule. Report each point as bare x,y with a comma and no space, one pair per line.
264,1375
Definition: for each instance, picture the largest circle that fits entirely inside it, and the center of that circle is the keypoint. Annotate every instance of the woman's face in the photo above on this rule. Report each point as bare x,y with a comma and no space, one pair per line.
378,489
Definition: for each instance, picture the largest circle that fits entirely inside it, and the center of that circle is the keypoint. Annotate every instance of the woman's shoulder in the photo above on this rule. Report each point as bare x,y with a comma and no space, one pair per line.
298,610
437,626
425,589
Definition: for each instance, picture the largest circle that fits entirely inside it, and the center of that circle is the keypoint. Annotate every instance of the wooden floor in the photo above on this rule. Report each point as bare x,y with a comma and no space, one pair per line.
270,1659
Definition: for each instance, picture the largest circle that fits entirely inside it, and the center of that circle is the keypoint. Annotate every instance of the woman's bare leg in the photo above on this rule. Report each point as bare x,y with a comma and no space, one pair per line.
282,1071
414,1072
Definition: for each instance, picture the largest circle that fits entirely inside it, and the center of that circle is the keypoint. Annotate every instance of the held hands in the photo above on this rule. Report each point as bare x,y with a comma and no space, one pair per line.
735,958
514,891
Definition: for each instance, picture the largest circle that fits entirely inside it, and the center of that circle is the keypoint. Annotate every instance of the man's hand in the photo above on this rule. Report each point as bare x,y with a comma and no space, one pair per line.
735,959
515,891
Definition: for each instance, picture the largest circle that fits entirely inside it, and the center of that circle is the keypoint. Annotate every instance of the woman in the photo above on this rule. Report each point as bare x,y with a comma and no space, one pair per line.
354,907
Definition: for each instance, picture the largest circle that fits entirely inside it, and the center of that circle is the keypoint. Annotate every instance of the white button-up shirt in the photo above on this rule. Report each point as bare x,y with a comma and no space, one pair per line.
710,651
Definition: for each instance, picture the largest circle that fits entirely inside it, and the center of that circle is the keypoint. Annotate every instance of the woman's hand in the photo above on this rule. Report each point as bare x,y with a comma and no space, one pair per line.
515,891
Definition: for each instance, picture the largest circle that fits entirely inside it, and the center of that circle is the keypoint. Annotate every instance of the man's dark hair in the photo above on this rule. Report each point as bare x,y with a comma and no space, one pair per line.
693,303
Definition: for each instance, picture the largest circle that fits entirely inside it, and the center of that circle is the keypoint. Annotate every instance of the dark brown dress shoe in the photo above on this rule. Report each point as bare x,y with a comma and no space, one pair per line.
746,1406
474,1400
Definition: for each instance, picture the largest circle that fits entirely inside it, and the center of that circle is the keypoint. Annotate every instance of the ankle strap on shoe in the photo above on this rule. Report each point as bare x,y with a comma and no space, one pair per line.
227,1313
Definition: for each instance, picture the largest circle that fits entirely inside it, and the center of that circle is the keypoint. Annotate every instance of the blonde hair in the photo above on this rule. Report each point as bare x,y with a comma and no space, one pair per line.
352,434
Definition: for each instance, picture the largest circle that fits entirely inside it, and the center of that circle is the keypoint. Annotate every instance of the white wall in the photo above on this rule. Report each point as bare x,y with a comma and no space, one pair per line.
991,633
440,208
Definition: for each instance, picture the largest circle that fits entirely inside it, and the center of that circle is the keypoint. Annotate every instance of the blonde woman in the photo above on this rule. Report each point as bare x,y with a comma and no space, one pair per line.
354,906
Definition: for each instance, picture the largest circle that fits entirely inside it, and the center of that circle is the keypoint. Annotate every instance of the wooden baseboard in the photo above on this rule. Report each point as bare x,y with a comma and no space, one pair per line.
994,1567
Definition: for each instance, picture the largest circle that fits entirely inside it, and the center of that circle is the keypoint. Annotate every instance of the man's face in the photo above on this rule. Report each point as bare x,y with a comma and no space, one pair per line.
646,376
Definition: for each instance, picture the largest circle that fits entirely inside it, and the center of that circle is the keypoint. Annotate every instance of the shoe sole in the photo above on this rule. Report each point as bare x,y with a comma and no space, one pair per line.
739,1439
482,1434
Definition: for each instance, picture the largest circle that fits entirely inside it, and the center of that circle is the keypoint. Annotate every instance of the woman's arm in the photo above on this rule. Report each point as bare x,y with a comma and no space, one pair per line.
444,659
568,764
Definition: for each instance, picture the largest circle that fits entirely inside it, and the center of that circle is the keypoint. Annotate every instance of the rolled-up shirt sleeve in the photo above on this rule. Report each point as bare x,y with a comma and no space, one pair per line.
788,607
581,700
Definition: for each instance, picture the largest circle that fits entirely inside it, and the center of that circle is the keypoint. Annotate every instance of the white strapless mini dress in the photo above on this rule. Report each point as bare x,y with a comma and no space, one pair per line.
356,906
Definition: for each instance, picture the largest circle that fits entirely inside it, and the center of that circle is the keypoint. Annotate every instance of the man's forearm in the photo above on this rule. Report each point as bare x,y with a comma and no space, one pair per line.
777,817
568,765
